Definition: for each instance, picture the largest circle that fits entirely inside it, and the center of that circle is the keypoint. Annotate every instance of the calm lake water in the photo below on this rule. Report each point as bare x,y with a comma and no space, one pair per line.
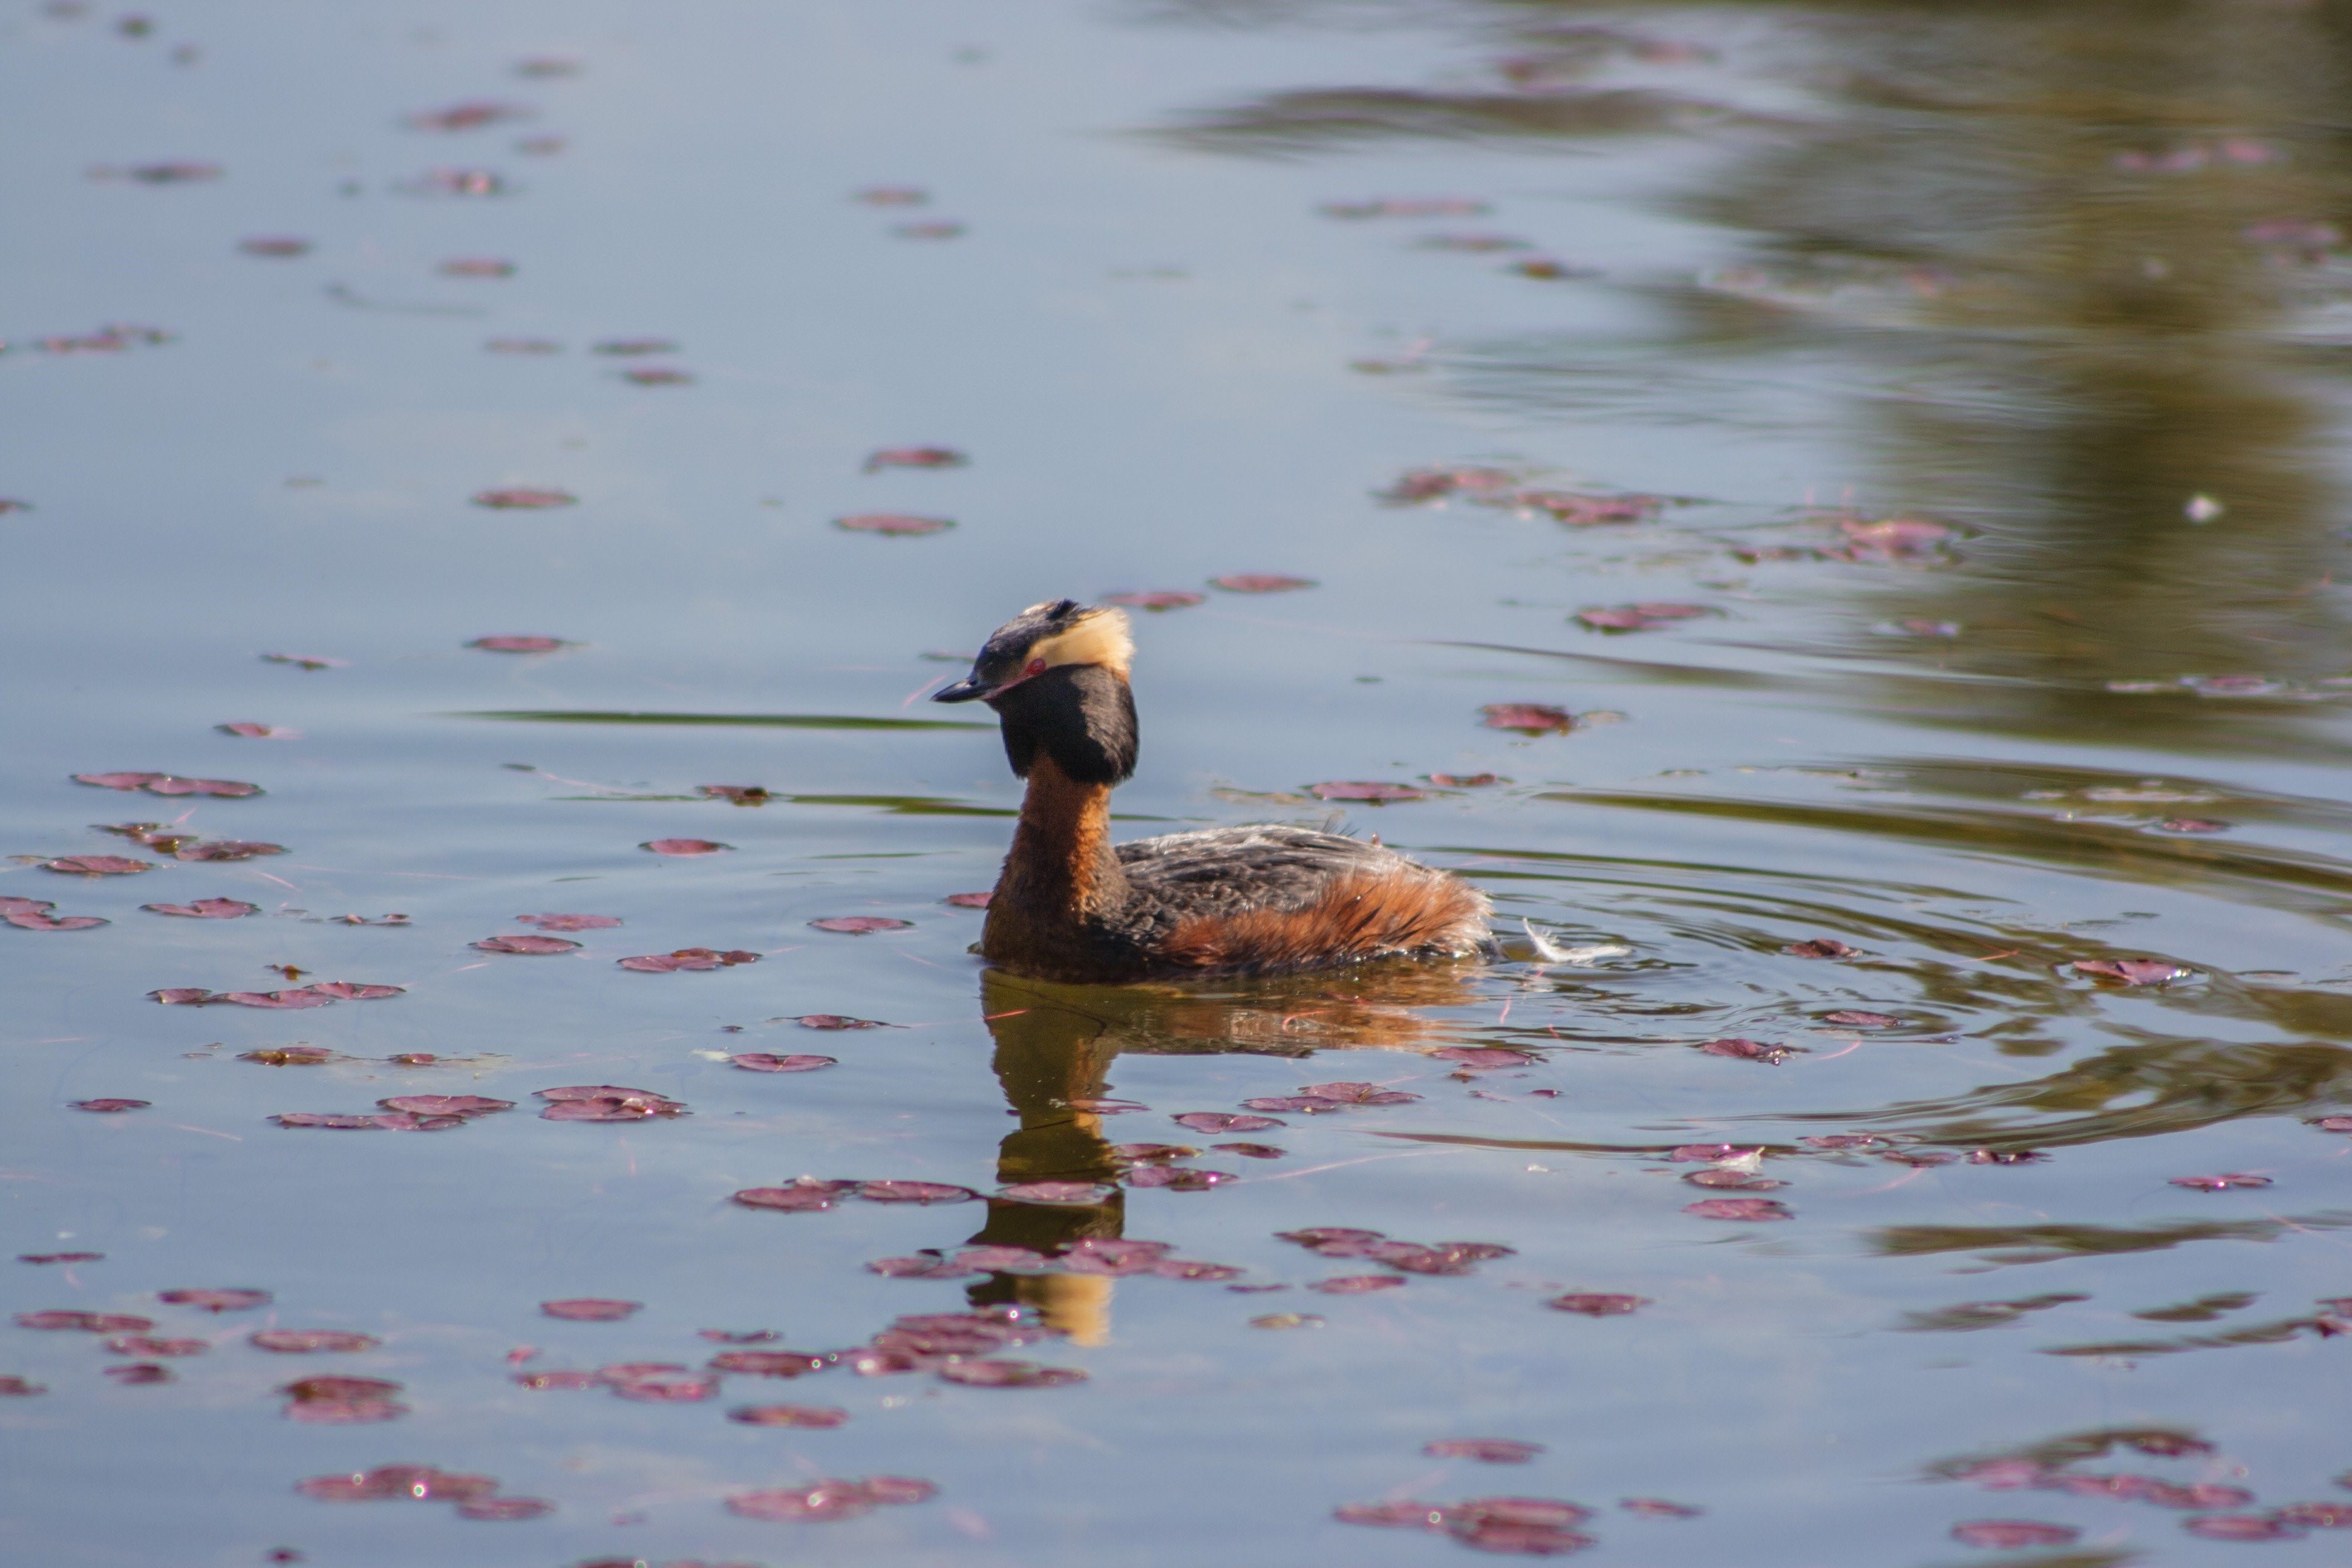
1936,413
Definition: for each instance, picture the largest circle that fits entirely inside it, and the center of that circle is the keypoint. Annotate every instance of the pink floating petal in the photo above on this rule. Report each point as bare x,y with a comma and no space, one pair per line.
810,1417
916,458
861,925
1055,1193
2222,1183
86,1322
760,1061
1739,1209
96,865
504,1508
1158,600
2131,971
446,1104
2012,1534
1224,1122
1370,791
590,1309
895,1191
208,909
519,644
571,922
806,1197
1260,583
1485,1058
1485,1451
893,524
684,847
217,1300
1528,718
524,498
1597,1304
533,944
306,1342
985,1372
1748,1050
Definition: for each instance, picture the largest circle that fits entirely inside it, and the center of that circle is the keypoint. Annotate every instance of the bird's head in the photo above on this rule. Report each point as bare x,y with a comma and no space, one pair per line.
1056,676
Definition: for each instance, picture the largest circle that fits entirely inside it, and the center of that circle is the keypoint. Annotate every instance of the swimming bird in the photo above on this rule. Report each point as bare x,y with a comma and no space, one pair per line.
1261,899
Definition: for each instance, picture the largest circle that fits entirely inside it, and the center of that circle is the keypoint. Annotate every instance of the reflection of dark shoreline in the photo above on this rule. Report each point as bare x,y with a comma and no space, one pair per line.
2037,269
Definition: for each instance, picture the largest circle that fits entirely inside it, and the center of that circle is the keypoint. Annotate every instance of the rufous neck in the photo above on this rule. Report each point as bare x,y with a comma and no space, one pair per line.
1061,856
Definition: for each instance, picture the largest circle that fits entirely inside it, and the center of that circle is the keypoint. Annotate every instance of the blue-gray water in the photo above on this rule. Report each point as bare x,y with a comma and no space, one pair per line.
2066,286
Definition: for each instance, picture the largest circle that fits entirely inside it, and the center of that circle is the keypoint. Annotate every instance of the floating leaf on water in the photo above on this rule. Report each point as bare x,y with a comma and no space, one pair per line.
1287,1321
1579,510
307,1342
227,849
894,524
915,457
523,346
470,116
96,865
590,1309
684,846
1372,792
1464,781
1822,947
216,1300
1738,1181
1176,1178
834,1021
761,1061
1854,1019
2324,1515
527,944
524,498
1658,1507
108,1107
861,925
15,1387
1251,1151
140,1373
51,1257
275,245
737,794
605,1102
1358,1284
476,267
305,660
249,731
519,644
331,1119
1354,1093
1597,1304
657,375
2222,1183
685,959
1097,1106
2130,971
1739,1209
1417,485
1260,583
830,1500
33,914
892,197
170,784
933,230
571,922
1528,718
1485,1451
1157,599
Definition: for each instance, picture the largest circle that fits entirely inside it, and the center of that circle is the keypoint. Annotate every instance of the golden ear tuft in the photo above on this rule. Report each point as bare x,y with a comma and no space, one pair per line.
1099,637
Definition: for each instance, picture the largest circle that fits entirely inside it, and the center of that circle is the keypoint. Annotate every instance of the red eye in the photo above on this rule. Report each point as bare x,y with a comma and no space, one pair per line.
1036,667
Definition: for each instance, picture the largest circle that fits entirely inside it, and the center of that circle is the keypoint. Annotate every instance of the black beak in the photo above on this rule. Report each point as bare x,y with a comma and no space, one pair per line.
964,690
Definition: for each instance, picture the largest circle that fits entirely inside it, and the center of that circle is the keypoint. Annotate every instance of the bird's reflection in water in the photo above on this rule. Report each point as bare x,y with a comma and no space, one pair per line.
1055,1046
